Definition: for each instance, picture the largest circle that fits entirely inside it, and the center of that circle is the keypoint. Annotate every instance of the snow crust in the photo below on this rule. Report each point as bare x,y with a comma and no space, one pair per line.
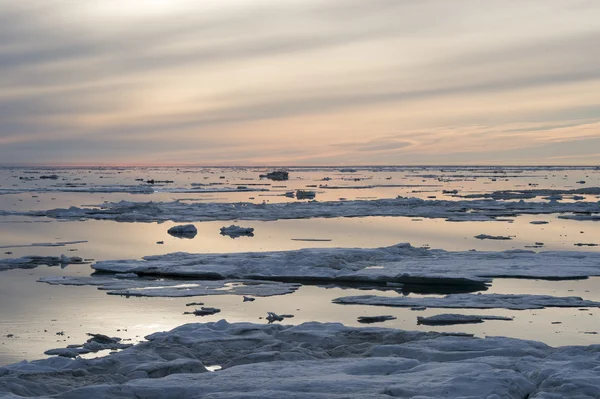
314,360
401,263
475,301
462,210
175,288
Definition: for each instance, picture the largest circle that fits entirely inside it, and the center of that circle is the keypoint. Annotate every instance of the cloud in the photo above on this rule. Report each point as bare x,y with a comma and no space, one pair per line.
213,74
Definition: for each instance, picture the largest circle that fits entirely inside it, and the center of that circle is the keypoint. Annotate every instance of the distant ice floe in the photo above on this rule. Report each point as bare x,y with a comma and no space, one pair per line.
473,210
489,237
446,319
44,244
133,286
129,189
313,360
401,263
31,262
533,193
472,301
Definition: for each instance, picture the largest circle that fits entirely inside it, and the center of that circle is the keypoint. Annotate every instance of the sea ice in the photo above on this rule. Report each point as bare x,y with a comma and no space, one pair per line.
313,360
401,263
127,286
30,262
474,301
95,343
472,210
453,318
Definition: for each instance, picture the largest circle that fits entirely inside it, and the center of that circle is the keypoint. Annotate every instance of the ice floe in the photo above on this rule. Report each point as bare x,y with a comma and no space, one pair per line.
44,244
183,231
140,287
401,263
30,262
532,193
314,360
474,210
489,237
374,319
472,301
453,318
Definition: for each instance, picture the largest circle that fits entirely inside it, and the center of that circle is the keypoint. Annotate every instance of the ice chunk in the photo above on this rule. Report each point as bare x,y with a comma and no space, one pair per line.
234,231
183,231
277,175
374,319
489,237
453,318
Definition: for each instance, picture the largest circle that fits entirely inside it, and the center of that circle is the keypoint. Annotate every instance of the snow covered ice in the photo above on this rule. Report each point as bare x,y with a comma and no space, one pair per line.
401,263
314,360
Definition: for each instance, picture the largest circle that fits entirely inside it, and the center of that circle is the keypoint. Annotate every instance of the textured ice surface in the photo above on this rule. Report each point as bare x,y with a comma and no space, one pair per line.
475,210
175,288
314,360
453,318
399,263
475,301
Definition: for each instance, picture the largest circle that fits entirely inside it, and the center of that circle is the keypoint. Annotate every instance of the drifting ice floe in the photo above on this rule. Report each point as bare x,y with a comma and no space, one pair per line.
527,194
399,263
314,360
474,210
175,288
489,237
374,319
44,244
30,262
473,301
446,319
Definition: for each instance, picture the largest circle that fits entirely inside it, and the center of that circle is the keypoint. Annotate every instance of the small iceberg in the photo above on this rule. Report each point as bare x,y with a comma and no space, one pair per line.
234,231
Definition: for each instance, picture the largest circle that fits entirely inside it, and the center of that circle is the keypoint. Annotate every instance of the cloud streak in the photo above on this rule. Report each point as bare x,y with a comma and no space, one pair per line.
119,80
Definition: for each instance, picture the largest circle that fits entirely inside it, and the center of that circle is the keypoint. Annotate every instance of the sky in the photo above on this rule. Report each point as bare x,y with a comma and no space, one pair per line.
308,82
